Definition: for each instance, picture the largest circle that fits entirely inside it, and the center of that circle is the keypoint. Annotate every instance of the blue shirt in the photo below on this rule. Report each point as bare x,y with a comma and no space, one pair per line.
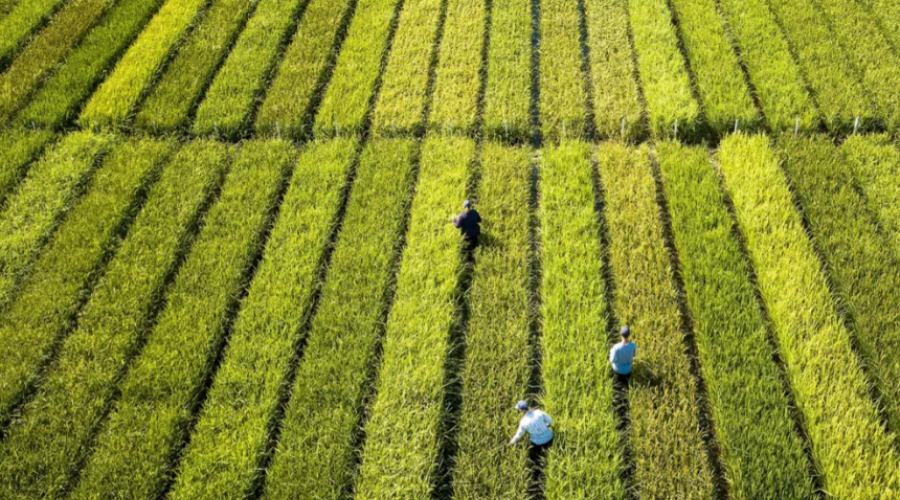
537,424
621,356
468,222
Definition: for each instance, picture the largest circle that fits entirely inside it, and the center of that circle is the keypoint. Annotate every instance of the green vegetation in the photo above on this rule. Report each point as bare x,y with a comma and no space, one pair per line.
667,86
114,102
876,165
18,26
18,148
290,97
234,92
32,214
347,99
750,409
60,97
720,82
884,11
6,6
132,454
507,97
459,73
45,52
236,416
586,459
665,435
563,94
853,452
612,70
497,367
50,436
770,65
62,277
862,266
825,65
410,389
401,101
315,447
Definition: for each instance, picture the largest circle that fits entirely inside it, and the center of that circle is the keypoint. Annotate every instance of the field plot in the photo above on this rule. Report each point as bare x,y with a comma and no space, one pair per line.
875,164
507,111
563,96
22,21
18,148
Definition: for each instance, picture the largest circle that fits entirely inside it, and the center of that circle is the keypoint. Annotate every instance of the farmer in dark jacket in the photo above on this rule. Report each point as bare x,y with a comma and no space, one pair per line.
468,224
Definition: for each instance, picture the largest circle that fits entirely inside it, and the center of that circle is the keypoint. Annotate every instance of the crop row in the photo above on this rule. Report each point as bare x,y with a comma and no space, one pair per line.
563,92
131,455
720,83
18,148
18,26
45,52
410,397
458,76
507,111
315,449
876,164
402,98
860,263
771,67
854,454
497,366
665,434
291,95
346,102
113,103
228,103
666,84
824,63
51,434
884,10
61,96
6,6
586,460
32,214
60,279
618,111
750,408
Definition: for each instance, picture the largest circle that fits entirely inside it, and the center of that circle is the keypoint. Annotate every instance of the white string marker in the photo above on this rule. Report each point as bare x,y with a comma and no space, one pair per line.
623,128
676,128
735,126
856,125
278,129
797,127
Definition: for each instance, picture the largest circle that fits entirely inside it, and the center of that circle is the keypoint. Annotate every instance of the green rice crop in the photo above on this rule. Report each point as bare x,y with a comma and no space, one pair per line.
854,455
19,25
315,448
31,214
235,420
169,104
665,436
410,397
63,275
720,82
876,166
613,74
870,51
862,266
884,12
401,100
563,93
825,64
507,98
50,436
458,75
162,389
234,92
667,86
6,6
346,101
59,98
775,75
497,367
46,52
289,99
586,459
114,102
18,148
750,409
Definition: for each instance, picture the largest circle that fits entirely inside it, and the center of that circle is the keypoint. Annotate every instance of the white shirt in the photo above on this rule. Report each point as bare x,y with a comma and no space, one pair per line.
537,424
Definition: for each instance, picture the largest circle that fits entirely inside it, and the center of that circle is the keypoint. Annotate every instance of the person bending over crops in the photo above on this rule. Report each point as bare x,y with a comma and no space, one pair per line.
622,356
537,424
469,224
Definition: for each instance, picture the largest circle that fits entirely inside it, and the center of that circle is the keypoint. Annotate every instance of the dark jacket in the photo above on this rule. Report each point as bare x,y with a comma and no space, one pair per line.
469,224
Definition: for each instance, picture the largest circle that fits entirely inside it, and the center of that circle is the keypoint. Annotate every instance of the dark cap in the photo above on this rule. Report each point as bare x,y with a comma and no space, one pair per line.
625,331
467,204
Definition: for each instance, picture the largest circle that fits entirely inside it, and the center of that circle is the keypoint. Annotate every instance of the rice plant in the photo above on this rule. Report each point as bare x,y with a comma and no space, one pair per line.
21,22
875,164
563,95
507,96
132,453
18,148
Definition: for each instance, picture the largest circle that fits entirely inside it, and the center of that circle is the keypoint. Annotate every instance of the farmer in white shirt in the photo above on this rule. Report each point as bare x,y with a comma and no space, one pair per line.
622,356
537,424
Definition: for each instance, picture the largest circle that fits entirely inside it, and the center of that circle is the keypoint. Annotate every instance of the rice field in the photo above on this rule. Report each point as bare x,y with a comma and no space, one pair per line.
228,268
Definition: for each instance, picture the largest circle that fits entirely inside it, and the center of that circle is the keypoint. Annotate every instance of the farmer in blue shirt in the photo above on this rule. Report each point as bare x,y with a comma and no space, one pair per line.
468,224
622,355
537,424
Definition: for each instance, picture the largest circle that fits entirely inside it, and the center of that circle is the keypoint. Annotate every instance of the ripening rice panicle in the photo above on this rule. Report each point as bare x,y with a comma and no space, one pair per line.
508,93
563,96
875,164
20,23
18,148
